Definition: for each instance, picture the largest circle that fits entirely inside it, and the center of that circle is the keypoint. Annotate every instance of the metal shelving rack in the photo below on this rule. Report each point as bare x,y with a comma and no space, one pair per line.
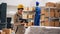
29,12
49,13
46,8
50,18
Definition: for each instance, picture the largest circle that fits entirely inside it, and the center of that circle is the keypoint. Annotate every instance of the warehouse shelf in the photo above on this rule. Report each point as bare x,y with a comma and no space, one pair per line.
54,18
49,17
50,7
43,20
48,10
29,13
27,10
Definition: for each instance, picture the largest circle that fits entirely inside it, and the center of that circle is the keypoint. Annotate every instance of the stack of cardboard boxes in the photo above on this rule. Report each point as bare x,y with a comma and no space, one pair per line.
58,5
6,31
30,16
2,32
25,16
57,24
54,13
50,4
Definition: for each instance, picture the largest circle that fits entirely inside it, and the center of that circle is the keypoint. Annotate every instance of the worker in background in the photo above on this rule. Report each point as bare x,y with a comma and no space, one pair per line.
37,15
18,23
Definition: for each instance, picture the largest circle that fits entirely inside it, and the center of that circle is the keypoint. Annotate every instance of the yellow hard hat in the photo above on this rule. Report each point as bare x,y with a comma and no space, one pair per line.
20,6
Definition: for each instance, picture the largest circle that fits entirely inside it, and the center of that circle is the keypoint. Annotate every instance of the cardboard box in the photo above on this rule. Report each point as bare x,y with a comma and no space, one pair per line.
57,24
7,31
46,18
47,13
30,23
43,23
46,23
2,32
52,12
43,11
50,4
58,5
30,16
42,17
56,13
24,16
51,23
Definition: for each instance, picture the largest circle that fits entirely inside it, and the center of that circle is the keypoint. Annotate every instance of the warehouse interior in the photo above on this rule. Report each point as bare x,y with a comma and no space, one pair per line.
29,16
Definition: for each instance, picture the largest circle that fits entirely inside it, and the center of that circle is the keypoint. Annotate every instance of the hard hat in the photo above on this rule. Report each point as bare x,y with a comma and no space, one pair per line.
37,3
20,6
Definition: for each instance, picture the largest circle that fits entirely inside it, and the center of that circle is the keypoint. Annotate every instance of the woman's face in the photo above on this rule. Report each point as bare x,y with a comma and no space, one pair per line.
20,11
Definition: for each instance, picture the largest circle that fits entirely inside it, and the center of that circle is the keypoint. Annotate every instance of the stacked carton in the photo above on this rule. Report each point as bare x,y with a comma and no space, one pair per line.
42,17
25,16
42,23
42,11
7,31
58,5
46,13
50,4
57,11
57,24
54,13
47,23
30,24
30,16
2,32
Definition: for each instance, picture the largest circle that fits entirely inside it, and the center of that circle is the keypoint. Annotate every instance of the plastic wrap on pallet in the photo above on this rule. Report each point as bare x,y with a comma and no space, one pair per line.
42,30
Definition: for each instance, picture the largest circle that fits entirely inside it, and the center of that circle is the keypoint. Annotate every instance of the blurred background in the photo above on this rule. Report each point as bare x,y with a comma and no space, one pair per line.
8,8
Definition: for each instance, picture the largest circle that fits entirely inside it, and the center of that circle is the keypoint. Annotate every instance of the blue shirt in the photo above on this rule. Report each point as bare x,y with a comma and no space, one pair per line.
38,10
